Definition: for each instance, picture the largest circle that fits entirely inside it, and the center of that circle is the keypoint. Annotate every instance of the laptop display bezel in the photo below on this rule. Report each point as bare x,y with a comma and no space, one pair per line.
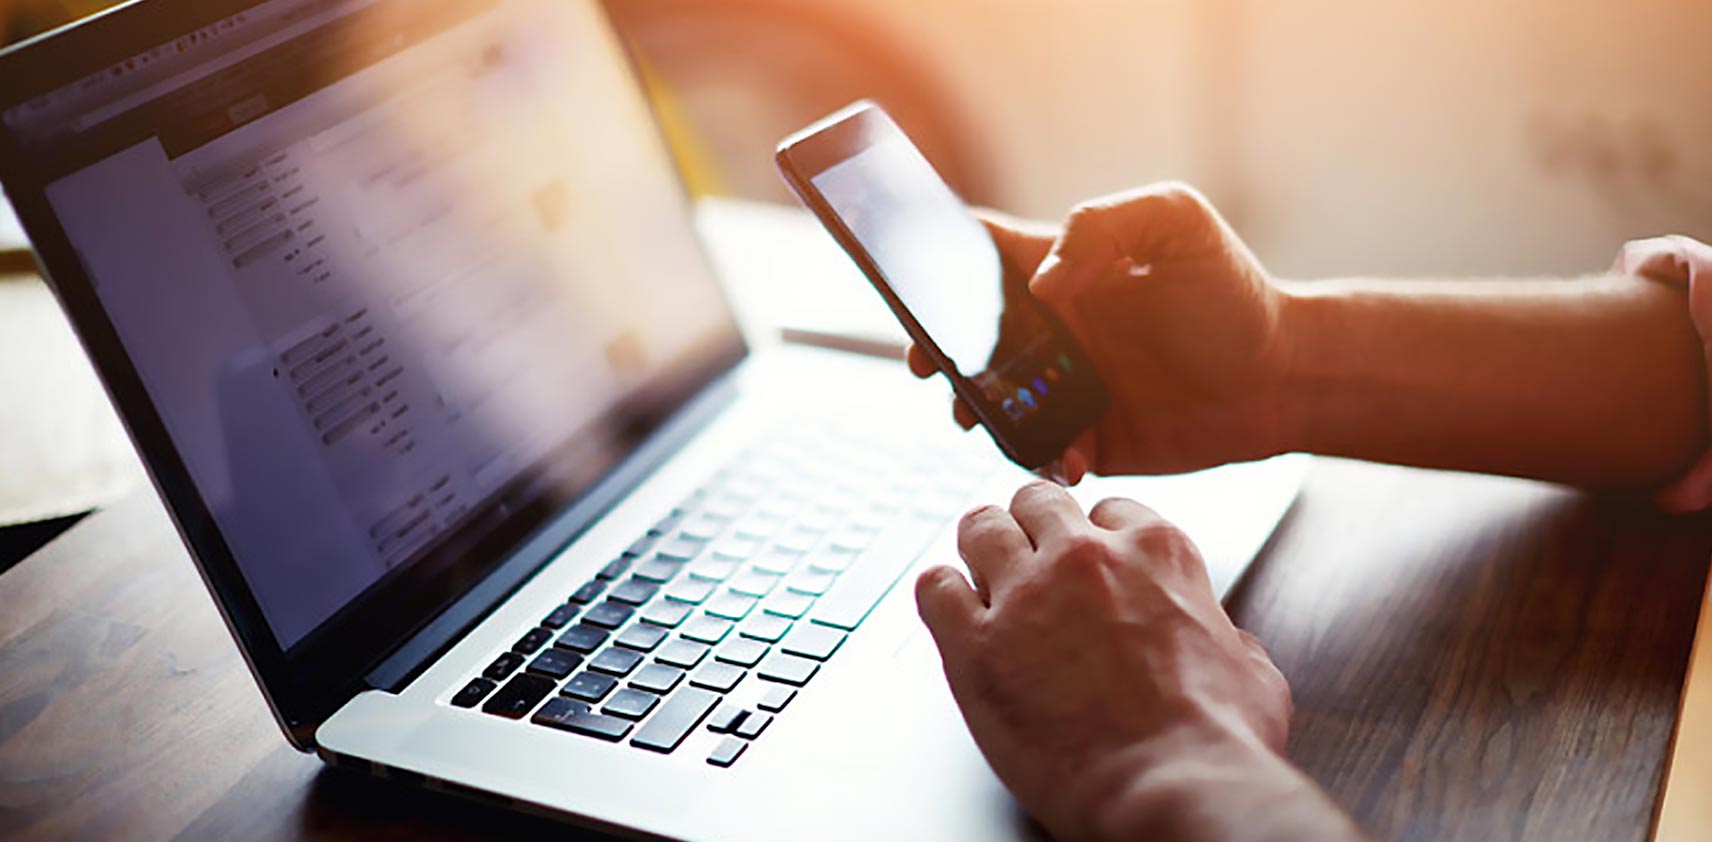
308,684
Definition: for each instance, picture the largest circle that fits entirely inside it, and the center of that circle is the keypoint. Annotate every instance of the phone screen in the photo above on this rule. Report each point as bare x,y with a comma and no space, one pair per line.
943,266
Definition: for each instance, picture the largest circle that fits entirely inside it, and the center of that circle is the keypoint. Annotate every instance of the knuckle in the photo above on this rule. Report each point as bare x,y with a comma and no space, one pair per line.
1084,552
1160,539
1126,509
935,580
1108,506
1085,210
1175,190
1033,490
972,519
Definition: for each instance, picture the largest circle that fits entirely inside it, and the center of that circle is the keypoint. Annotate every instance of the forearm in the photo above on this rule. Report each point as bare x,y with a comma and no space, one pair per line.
1597,382
1223,789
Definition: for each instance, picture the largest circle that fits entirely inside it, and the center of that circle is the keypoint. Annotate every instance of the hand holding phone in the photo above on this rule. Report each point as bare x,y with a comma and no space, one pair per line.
1007,356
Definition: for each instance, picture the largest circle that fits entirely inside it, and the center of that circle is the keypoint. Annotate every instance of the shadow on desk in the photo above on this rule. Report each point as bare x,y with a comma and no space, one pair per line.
339,804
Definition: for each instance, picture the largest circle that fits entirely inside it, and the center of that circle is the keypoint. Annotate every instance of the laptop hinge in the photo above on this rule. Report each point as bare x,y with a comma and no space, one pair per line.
402,666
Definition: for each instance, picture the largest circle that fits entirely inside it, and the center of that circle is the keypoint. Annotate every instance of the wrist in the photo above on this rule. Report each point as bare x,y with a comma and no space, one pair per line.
1309,326
1165,786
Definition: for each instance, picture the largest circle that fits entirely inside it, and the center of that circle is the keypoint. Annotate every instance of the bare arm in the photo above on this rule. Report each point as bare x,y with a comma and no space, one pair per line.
1211,789
1597,382
1165,721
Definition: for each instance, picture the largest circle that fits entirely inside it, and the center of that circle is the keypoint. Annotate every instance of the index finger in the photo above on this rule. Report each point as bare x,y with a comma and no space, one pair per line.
1046,512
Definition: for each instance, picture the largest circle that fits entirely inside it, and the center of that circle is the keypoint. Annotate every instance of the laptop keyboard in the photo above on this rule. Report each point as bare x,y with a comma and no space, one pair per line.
732,603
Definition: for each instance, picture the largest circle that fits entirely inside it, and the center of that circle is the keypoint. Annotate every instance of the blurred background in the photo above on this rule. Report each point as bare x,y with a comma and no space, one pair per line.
1408,137
1404,137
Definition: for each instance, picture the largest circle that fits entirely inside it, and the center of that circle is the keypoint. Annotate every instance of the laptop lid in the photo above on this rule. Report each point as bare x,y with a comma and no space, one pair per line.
380,288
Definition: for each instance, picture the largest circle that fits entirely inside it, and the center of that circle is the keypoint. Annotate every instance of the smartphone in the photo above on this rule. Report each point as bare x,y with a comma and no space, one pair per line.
1007,356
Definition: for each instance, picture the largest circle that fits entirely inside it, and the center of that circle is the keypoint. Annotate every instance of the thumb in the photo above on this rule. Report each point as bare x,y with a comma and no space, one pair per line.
1022,243
1086,247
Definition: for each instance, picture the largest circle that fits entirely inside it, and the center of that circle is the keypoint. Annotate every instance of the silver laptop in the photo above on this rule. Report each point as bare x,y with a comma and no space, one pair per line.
401,304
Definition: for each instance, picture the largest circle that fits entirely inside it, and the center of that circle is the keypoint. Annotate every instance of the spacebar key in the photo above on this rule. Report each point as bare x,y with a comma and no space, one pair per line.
872,575
680,715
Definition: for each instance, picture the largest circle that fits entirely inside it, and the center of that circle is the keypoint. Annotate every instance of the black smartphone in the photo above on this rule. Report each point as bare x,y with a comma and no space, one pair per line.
1007,356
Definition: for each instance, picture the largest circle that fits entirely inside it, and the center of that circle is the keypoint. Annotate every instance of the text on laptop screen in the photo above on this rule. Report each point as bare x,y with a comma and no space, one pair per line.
389,270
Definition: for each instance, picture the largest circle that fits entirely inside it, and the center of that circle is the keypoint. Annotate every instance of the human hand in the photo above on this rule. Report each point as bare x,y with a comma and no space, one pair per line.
1178,316
1091,654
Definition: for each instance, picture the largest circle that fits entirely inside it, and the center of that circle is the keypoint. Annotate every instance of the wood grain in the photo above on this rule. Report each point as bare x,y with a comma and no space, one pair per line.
1472,658
1478,657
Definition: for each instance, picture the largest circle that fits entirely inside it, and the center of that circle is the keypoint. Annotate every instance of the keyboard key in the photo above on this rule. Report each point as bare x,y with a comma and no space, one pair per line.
796,541
731,504
788,604
742,651
731,606
783,505
717,676
819,520
753,582
682,653
614,661
560,616
807,580
679,548
667,524
581,638
713,569
642,638
725,718
555,663
768,627
831,561
631,704
532,640
812,640
642,545
608,614
634,591
589,592
503,666
589,686
851,540
702,528
787,669
757,526
614,568
667,614
576,717
753,724
706,629
677,717
692,591
519,696
735,548
776,698
860,589
727,752
658,678
655,570
776,562
473,692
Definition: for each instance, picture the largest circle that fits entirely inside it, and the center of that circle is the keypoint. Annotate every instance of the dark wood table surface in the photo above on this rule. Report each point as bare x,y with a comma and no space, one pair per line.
1472,658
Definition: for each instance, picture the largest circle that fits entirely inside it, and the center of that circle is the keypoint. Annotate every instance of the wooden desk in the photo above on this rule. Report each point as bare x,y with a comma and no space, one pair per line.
1472,658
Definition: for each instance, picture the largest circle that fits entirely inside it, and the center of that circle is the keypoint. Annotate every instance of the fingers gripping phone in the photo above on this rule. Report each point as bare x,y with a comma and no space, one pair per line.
1007,356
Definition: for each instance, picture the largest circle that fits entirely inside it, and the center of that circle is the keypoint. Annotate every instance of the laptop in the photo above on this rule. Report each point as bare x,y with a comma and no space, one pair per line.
401,303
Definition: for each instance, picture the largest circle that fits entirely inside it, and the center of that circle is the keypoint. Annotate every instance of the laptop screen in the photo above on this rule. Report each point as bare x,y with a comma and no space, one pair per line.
398,276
